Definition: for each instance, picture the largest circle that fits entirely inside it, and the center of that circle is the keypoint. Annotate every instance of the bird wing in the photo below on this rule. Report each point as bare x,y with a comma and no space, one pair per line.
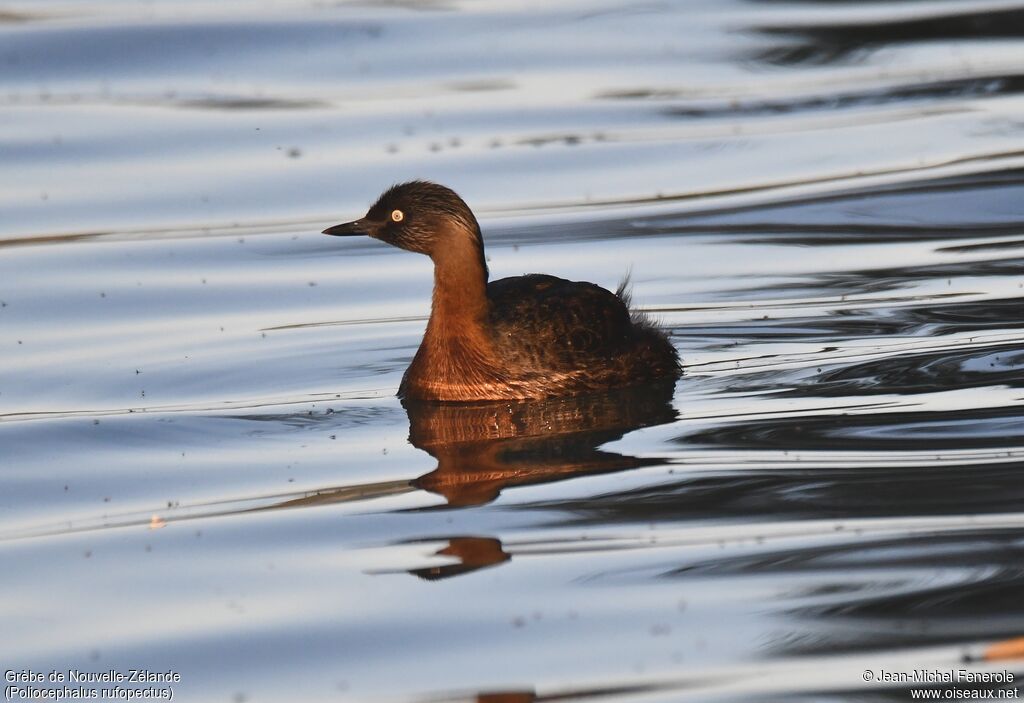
546,322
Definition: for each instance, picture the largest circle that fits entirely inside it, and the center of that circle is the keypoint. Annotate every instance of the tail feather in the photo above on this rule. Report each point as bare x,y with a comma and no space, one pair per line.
625,290
625,293
655,339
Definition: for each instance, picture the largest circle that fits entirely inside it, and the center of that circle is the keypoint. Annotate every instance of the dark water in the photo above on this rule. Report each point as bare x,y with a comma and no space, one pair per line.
203,467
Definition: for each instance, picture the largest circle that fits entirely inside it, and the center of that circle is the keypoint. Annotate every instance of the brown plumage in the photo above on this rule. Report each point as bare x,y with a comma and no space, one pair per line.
528,336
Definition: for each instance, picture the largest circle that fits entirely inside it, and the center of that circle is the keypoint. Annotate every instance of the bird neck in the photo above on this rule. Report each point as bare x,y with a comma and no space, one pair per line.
456,356
460,287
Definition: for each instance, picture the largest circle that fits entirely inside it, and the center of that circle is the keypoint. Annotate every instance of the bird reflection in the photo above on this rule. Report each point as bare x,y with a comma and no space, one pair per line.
482,448
507,697
473,553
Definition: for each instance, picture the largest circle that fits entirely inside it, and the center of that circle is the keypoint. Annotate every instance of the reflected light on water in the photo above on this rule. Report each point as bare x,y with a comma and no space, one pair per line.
203,466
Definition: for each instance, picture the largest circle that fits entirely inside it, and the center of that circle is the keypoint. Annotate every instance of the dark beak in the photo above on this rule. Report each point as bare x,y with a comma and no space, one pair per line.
350,229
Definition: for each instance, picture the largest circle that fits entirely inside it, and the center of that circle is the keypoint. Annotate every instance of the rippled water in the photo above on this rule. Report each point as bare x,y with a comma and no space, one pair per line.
203,467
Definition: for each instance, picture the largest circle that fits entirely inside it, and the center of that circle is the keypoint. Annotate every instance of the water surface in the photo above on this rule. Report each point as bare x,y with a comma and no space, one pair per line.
204,469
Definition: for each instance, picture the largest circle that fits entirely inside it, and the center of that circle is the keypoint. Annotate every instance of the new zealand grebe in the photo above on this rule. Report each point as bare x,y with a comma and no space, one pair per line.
530,336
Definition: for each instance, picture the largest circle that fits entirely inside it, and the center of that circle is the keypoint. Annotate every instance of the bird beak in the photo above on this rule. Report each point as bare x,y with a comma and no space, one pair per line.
350,229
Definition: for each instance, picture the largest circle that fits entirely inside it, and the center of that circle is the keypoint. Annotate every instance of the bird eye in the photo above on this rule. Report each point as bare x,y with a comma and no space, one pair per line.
397,215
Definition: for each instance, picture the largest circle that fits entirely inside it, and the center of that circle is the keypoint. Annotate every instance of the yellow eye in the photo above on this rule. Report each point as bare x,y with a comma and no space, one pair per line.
397,215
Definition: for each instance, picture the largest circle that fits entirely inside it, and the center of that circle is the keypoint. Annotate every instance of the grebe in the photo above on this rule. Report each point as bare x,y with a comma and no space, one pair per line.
530,336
